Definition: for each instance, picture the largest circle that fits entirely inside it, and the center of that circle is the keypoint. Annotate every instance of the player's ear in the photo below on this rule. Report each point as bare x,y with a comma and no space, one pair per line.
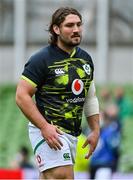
56,29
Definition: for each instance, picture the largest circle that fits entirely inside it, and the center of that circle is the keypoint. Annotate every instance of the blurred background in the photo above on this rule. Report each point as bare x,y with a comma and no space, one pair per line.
108,38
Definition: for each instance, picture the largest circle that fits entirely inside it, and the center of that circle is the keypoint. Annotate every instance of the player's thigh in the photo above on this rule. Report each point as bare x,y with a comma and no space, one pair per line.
62,172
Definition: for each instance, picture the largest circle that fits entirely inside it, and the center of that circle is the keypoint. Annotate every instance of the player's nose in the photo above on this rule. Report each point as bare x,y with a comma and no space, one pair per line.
76,28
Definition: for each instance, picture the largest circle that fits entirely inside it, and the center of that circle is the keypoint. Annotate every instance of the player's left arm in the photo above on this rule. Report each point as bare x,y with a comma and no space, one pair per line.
91,110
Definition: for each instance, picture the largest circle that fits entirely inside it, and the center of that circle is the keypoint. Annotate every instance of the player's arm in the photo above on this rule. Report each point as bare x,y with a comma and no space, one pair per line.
24,94
91,110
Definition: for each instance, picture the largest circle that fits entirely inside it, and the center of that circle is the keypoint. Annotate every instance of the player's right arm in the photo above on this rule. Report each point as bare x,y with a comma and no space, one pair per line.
24,94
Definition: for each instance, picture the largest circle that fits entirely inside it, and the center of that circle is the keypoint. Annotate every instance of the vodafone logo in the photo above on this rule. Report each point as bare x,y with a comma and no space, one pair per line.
77,86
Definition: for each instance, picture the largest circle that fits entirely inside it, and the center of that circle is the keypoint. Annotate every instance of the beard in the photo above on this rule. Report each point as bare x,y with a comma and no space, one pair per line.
74,41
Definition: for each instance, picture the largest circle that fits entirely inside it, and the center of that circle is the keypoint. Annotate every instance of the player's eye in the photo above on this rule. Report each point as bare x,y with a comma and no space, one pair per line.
69,25
73,24
79,24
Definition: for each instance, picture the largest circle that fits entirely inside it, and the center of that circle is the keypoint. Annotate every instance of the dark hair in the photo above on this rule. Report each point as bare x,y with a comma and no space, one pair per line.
57,18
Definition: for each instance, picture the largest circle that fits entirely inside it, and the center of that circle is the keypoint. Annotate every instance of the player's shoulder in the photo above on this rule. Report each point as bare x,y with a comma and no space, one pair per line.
40,54
83,53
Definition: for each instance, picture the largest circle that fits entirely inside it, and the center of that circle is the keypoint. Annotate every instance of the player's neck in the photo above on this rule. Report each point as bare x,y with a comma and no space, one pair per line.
65,48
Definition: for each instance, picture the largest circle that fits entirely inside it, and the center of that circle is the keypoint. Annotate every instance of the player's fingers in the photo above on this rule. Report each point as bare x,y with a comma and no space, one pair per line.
54,144
88,155
90,152
85,143
59,131
49,143
59,141
57,137
57,144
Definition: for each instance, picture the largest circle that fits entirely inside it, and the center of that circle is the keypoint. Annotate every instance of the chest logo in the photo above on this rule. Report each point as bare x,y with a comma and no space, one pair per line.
77,86
59,71
87,68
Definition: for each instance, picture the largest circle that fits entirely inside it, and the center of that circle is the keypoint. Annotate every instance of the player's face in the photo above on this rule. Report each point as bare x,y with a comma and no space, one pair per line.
70,31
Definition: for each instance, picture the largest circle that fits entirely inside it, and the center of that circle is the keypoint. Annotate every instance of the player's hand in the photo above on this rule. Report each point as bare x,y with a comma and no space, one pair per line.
92,141
51,135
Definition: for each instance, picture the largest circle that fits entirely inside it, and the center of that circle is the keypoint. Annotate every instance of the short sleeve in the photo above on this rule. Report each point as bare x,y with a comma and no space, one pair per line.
90,62
90,66
36,69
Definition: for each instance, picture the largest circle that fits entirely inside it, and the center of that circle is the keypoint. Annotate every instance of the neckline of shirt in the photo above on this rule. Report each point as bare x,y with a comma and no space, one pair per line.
66,53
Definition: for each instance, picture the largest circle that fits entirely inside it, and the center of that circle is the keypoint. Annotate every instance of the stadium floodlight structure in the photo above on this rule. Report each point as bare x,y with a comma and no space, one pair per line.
102,41
19,36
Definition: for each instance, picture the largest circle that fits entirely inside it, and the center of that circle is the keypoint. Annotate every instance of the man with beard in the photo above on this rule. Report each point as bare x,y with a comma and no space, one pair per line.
61,77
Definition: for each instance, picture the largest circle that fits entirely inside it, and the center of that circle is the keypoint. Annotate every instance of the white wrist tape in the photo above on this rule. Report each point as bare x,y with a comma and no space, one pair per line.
91,105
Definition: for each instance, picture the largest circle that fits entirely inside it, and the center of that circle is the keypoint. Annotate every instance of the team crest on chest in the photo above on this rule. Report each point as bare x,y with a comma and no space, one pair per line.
87,68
